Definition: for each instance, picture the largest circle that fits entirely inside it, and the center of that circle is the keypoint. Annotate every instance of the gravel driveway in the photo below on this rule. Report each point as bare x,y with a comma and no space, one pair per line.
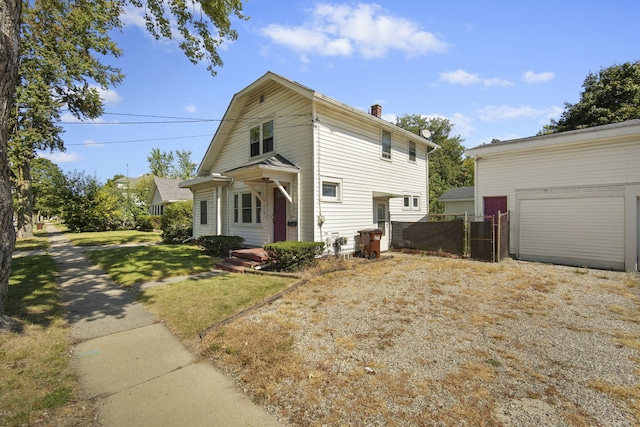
431,341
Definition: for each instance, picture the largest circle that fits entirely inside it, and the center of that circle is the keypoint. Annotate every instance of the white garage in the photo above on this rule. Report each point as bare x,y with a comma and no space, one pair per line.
574,196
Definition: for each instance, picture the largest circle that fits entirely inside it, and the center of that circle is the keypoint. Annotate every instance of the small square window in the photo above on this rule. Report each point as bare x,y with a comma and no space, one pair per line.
331,189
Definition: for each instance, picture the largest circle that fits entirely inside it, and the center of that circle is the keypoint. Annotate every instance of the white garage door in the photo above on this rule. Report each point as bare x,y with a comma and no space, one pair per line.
585,231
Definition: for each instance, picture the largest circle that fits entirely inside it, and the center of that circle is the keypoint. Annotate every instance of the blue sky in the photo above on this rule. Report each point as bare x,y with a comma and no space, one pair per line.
495,69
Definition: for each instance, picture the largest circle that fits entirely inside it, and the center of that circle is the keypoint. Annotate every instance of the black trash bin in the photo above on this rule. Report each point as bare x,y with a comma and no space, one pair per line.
370,243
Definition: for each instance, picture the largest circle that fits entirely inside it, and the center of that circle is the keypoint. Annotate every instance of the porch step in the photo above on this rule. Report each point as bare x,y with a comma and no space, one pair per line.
232,268
242,259
254,254
242,262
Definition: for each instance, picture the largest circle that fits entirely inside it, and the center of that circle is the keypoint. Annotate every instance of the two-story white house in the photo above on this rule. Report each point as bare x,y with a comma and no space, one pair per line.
289,163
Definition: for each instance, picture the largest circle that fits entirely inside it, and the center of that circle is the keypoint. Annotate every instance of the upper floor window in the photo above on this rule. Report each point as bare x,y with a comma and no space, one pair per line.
412,151
386,144
261,139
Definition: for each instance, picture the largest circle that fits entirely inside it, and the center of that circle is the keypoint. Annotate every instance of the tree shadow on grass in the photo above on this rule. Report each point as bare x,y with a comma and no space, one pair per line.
33,296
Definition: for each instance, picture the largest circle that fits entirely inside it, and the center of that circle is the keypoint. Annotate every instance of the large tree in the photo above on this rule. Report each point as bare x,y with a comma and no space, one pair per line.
447,168
611,95
202,26
59,47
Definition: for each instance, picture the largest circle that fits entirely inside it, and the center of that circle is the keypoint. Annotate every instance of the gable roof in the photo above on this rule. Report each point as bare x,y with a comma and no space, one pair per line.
457,193
602,134
169,190
240,99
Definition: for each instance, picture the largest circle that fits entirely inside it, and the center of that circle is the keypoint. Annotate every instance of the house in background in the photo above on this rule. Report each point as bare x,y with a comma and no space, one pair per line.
164,191
458,200
289,163
573,197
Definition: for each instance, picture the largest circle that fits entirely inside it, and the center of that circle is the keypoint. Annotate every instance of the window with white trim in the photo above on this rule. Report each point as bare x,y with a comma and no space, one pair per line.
412,151
411,202
247,209
261,139
331,189
386,144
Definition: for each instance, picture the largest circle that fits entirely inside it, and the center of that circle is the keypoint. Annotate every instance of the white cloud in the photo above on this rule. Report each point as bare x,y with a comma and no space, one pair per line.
464,78
460,77
91,143
461,125
495,113
365,29
532,78
191,108
63,157
109,96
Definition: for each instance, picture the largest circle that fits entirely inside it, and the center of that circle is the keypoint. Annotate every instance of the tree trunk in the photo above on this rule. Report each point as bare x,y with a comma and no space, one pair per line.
9,54
24,199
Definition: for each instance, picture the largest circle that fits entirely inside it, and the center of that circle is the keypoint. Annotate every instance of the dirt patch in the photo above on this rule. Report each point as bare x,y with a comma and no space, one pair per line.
429,341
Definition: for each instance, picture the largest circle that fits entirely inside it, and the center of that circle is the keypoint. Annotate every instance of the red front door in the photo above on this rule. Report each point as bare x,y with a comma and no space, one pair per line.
493,205
279,216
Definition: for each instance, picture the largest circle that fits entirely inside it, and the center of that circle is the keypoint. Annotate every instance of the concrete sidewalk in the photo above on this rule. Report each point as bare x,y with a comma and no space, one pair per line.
138,372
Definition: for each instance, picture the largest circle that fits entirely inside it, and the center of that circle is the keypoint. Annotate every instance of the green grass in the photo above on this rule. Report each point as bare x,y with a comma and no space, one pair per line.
35,369
190,306
38,241
130,265
113,237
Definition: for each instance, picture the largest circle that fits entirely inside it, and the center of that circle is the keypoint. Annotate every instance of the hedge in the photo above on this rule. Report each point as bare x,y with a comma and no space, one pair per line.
219,246
292,256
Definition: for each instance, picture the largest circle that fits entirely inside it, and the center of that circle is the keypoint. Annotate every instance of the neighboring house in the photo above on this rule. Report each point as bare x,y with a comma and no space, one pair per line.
458,200
164,191
288,163
573,197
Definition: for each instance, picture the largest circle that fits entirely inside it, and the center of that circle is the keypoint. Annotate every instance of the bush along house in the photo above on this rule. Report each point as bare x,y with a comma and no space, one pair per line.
289,163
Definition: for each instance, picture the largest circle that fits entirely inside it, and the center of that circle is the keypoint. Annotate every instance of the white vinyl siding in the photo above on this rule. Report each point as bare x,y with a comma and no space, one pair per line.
209,228
350,148
582,182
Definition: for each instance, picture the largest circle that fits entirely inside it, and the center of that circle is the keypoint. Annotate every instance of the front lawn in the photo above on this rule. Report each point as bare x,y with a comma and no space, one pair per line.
38,241
189,307
38,385
113,237
130,265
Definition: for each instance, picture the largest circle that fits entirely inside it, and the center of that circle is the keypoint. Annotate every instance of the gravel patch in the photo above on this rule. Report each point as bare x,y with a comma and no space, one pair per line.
429,341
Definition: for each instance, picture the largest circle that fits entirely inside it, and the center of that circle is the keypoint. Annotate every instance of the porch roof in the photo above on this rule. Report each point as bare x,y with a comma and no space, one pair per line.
274,167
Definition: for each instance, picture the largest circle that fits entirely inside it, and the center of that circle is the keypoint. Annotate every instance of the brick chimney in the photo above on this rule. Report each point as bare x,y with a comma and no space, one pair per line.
376,110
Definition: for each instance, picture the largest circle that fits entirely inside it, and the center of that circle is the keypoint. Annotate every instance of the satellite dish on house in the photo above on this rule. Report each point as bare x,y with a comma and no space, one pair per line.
425,133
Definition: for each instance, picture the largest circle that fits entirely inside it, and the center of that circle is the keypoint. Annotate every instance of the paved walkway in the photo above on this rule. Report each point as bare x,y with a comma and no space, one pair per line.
138,372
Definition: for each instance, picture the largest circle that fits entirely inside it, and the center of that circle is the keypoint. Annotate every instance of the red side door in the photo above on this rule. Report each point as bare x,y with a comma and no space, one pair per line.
493,205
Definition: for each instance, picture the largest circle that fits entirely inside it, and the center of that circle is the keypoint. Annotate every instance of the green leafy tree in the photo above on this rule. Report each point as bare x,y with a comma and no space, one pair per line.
446,167
46,175
610,96
57,62
78,197
161,163
202,25
185,168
